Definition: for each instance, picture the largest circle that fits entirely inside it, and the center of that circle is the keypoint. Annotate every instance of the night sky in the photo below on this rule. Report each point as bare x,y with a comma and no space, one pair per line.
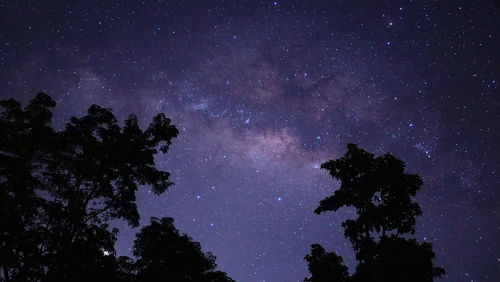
263,92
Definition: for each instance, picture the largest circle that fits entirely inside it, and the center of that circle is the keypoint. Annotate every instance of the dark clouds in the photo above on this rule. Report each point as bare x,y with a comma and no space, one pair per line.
264,92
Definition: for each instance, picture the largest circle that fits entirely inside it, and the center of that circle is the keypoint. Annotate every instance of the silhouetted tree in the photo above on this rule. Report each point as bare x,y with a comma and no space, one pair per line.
379,190
125,270
325,266
59,189
165,255
399,259
382,194
23,133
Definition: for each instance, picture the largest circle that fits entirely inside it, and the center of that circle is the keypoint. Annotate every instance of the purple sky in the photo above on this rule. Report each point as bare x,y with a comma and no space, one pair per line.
263,92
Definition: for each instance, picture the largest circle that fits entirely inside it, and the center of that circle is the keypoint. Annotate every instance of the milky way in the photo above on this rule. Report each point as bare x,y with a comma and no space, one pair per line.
263,92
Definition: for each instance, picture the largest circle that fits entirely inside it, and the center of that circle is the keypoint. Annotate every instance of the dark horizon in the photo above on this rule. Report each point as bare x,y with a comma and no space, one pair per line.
263,93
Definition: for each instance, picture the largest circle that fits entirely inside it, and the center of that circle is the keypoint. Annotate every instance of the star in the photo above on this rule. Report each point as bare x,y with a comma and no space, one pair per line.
263,93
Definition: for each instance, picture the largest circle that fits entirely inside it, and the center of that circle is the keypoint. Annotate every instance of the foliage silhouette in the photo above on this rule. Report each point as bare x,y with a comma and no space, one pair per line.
399,259
381,193
165,255
325,266
60,189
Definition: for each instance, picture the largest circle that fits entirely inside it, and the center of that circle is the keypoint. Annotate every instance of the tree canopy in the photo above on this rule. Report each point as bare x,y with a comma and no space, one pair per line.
325,266
163,253
60,189
381,192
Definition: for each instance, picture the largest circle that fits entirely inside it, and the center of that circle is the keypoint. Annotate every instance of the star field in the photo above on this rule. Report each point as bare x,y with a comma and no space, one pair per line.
263,92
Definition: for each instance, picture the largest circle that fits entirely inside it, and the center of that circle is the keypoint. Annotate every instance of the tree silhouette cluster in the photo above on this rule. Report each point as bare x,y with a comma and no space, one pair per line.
59,190
382,194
